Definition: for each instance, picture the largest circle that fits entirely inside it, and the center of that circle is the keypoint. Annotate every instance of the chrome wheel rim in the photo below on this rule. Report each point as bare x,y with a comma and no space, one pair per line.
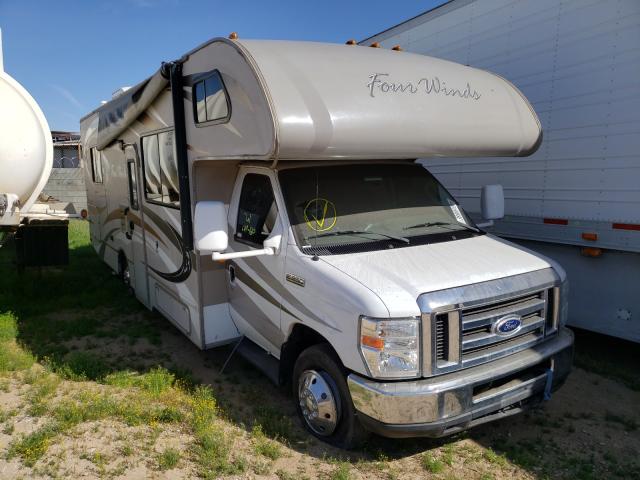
317,403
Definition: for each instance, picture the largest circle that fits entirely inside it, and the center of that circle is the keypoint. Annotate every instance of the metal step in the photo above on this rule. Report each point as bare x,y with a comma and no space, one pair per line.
259,358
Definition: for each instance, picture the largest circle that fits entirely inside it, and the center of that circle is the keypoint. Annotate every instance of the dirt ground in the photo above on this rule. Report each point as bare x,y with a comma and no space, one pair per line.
89,390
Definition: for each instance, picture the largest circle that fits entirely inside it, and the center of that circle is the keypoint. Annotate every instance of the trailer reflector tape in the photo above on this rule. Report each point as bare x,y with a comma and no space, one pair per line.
556,221
625,226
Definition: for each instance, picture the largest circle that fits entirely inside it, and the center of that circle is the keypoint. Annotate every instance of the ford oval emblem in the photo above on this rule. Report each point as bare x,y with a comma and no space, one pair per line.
507,325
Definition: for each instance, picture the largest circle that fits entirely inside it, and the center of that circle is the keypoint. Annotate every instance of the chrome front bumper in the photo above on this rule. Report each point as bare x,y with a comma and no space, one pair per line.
448,403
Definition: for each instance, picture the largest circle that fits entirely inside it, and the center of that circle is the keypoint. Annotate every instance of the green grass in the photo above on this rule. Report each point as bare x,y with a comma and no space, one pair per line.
12,356
263,446
342,472
31,447
431,464
168,459
494,458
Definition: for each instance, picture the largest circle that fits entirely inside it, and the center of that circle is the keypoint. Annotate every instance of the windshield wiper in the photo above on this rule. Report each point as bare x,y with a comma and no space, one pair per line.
443,224
362,232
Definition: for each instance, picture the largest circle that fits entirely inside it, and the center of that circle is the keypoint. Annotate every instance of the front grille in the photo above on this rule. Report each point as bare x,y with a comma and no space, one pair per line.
479,341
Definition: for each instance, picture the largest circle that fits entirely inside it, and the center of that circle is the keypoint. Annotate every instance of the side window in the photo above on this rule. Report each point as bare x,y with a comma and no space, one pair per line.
210,101
133,185
160,169
257,211
96,165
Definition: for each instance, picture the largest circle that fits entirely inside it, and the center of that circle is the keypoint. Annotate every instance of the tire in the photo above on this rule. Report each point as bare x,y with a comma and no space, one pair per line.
320,363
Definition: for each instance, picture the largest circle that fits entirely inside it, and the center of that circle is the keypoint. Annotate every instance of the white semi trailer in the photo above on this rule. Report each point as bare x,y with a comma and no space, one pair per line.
577,199
26,158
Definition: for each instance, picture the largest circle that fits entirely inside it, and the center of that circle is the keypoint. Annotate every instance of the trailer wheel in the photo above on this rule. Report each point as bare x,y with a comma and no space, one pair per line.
323,400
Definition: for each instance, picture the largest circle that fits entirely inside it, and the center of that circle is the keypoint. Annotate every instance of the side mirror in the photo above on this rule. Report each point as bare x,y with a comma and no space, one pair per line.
210,227
492,201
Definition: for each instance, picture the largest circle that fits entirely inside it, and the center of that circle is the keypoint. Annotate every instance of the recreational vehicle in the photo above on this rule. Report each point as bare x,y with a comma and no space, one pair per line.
266,194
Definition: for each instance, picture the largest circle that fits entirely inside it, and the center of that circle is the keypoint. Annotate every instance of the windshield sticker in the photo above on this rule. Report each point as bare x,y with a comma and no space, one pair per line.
320,214
458,214
249,223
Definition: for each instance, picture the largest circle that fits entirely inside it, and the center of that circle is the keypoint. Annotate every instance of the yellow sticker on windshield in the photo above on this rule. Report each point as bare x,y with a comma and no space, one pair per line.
320,214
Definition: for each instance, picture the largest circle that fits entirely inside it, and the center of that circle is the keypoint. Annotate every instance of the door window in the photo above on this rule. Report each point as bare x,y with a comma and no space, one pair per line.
96,166
257,211
133,185
160,169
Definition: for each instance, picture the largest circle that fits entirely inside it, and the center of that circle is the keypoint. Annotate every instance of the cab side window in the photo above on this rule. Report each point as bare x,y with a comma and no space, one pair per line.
257,211
210,100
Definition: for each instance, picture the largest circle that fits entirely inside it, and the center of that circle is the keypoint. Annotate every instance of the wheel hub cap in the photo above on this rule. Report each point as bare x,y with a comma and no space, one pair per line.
317,403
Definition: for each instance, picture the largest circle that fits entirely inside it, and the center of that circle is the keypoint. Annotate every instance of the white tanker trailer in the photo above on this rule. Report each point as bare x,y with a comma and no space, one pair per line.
26,159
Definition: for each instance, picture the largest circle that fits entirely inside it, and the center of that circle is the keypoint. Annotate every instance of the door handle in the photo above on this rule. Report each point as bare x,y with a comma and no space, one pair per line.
232,274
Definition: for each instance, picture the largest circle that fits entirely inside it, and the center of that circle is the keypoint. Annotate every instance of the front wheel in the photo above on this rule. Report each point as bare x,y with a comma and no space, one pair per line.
323,400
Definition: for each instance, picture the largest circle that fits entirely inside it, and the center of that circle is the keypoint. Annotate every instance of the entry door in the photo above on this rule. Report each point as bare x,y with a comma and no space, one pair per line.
254,282
134,228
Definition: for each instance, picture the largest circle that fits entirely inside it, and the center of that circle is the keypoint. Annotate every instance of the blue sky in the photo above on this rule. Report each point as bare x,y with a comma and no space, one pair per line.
71,54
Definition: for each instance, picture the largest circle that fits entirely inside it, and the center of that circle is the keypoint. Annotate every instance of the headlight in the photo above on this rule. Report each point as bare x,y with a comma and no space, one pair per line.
391,346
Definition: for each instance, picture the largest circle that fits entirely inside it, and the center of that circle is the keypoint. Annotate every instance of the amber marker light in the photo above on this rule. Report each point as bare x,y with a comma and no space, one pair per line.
375,45
397,48
373,342
233,36
591,237
351,42
591,252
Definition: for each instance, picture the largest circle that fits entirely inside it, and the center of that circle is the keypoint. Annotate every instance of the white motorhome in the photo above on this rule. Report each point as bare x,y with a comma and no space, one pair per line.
266,193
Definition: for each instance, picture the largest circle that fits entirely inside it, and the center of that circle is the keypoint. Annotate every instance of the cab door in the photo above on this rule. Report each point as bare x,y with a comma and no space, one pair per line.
254,282
134,228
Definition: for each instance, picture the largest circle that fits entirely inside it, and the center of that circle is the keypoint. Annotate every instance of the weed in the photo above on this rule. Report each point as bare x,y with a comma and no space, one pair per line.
261,468
284,475
492,457
168,459
80,366
126,450
12,356
431,464
263,446
341,472
447,454
44,386
31,447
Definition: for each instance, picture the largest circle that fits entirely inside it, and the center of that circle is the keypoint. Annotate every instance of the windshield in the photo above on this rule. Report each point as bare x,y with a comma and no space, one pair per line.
375,206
